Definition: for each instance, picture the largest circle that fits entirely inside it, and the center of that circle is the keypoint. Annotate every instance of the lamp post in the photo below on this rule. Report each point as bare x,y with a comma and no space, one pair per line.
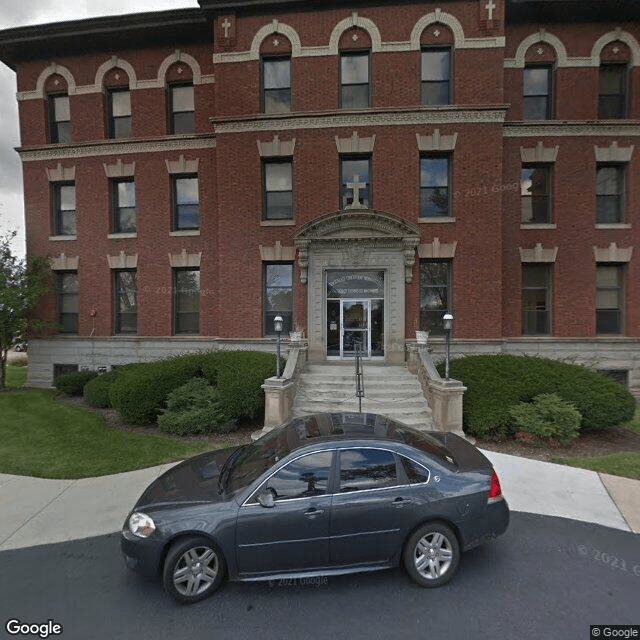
447,323
277,325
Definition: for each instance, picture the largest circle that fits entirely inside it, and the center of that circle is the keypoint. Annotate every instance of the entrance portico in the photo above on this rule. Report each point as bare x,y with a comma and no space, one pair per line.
356,264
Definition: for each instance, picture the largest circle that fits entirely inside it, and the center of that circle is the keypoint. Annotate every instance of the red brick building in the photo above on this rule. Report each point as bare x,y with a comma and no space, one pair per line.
359,169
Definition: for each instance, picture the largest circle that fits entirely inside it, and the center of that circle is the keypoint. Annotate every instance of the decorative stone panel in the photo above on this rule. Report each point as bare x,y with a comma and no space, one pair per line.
538,254
539,153
437,250
355,144
184,259
276,148
437,142
61,174
613,153
277,253
119,169
123,261
613,253
64,263
182,166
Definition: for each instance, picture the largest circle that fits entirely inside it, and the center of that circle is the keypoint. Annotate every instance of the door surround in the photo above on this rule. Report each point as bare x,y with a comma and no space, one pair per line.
357,239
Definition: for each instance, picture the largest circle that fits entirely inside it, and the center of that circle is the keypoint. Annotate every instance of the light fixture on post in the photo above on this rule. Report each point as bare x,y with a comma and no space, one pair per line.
277,325
447,323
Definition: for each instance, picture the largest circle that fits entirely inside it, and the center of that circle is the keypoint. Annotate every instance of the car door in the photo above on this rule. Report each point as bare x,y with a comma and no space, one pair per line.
371,509
293,534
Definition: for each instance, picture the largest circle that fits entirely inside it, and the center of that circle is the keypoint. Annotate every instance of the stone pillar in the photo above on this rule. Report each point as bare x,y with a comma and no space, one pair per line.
278,400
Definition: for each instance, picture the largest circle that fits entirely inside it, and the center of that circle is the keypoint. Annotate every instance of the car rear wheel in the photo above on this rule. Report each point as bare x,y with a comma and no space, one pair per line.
432,554
193,570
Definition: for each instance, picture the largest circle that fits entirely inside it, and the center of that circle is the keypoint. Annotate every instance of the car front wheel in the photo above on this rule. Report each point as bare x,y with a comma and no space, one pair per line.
432,554
193,570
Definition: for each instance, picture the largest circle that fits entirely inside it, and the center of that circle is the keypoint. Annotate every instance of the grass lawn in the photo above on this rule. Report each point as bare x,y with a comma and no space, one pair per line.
44,438
626,464
634,423
16,374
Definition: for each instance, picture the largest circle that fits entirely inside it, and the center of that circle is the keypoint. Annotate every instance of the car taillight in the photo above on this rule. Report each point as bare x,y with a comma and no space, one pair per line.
495,491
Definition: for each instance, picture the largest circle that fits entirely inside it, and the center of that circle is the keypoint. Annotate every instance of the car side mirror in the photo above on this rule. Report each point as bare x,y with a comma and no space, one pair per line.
266,499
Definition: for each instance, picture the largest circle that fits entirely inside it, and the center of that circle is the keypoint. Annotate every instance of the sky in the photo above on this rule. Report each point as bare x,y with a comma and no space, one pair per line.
20,13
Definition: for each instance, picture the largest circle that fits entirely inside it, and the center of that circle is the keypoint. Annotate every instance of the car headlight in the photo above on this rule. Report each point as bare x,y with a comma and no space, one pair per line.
141,525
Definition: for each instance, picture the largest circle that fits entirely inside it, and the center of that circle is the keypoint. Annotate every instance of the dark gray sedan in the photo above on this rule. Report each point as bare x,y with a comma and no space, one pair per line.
323,495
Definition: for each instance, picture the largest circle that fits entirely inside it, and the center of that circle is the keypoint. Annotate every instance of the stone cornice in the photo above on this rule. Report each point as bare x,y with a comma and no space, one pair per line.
369,117
116,147
560,129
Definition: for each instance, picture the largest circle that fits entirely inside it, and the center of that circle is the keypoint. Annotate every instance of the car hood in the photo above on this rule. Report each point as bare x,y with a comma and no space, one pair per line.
192,481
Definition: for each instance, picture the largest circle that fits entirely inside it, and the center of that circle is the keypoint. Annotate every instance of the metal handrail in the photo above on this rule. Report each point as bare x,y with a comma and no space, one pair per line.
359,374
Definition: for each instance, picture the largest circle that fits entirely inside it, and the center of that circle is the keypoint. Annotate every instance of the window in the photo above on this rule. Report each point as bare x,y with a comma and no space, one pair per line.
355,182
182,109
435,294
436,77
416,473
64,209
536,299
362,469
67,301
434,187
61,369
186,301
276,85
125,302
119,101
609,298
609,194
123,199
612,93
535,195
59,119
354,80
186,203
305,477
278,190
537,93
278,296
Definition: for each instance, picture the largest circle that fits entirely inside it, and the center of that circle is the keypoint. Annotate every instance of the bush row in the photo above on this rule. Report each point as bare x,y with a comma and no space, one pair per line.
496,383
139,392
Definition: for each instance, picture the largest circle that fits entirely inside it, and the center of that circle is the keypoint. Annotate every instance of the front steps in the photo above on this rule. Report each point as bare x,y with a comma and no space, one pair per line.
389,390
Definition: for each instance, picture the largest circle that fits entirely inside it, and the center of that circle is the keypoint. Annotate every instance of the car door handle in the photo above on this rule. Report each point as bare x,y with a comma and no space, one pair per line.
400,502
313,512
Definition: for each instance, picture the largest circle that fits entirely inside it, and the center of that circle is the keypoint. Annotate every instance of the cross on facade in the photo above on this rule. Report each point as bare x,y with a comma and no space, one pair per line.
226,25
356,186
490,6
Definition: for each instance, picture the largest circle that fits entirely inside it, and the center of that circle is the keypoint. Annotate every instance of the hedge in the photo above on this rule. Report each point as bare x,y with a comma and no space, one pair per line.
96,391
495,383
140,391
72,383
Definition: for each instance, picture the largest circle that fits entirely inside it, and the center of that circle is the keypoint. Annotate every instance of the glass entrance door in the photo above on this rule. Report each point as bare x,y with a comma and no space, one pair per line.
353,317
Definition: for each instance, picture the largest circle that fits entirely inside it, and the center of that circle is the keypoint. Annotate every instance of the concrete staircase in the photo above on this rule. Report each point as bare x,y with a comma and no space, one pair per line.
389,390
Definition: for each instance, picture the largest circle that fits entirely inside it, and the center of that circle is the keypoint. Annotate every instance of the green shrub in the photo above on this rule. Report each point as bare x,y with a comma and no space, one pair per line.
548,420
195,407
96,391
73,382
495,383
140,391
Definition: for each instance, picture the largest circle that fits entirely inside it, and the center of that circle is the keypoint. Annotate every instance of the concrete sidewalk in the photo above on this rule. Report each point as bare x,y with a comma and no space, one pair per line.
34,511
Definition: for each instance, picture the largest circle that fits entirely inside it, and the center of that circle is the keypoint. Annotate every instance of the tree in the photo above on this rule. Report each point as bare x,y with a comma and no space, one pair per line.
22,284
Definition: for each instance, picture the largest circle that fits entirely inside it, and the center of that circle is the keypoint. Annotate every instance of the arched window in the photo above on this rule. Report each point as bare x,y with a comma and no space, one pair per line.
181,99
58,110
355,69
436,65
613,79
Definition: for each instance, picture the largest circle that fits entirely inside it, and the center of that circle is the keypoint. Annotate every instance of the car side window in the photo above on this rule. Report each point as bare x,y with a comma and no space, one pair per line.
301,478
416,473
362,469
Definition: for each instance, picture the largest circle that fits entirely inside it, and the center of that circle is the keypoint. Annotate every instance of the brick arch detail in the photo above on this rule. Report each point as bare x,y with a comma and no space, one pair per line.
51,70
541,36
112,63
269,29
355,21
612,36
179,56
431,18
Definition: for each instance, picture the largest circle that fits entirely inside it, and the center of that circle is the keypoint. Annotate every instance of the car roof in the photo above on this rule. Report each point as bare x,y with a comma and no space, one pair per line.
343,426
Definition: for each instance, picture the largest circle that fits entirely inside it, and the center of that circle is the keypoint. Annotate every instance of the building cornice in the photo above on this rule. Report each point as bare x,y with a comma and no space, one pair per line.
116,147
564,129
366,117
